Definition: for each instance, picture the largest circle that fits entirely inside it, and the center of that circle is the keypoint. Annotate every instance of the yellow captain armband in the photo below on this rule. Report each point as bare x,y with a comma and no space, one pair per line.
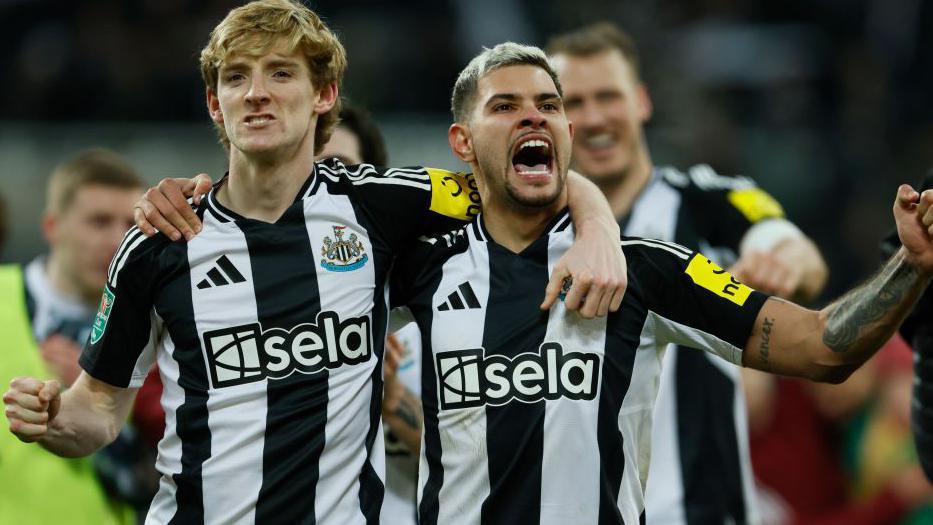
454,194
709,275
755,204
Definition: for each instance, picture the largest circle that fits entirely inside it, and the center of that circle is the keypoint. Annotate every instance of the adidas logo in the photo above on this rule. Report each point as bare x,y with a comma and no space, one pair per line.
462,298
222,274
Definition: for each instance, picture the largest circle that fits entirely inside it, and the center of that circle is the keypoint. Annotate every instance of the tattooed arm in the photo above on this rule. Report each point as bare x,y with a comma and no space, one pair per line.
830,344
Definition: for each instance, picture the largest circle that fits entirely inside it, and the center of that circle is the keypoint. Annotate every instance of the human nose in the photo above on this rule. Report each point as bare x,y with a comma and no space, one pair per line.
589,116
257,93
532,118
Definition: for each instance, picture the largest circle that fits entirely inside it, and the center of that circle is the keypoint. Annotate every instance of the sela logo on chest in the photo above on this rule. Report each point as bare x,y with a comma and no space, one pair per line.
469,378
247,353
342,254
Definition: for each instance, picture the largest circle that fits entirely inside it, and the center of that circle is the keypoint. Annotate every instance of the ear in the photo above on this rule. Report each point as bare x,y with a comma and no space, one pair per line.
461,142
645,107
326,98
570,127
50,228
213,107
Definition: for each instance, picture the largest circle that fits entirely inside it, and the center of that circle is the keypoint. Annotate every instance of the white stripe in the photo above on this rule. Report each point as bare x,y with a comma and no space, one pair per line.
168,462
570,469
236,415
123,259
214,207
654,215
349,388
114,259
397,182
663,246
463,453
664,496
563,220
635,421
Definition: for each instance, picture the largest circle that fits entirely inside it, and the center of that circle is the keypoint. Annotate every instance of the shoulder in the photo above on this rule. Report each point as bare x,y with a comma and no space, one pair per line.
640,251
334,173
702,185
137,253
447,244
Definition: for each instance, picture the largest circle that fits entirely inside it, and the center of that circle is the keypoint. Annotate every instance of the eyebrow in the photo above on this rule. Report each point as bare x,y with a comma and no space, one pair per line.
512,97
241,64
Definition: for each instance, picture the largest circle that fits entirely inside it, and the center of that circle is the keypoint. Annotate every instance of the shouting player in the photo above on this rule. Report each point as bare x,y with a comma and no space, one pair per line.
267,327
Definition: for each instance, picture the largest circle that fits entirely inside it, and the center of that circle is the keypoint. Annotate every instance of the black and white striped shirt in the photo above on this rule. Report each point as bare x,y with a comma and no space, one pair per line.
701,468
538,417
269,340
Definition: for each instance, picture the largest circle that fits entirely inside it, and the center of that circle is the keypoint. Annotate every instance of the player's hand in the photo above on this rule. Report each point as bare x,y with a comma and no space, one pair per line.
30,404
768,273
393,388
165,207
61,354
913,213
595,270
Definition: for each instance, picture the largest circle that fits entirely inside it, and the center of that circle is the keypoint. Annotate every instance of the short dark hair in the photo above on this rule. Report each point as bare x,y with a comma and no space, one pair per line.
359,122
503,55
594,39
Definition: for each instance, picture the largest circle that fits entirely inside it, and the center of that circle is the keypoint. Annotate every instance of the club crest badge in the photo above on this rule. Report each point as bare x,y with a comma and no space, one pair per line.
342,255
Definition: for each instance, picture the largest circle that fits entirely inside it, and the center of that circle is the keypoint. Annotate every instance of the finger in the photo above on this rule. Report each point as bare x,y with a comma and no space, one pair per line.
27,385
552,291
617,296
906,197
603,309
50,390
27,432
594,298
192,224
27,401
202,185
578,291
163,214
36,417
925,207
140,218
180,215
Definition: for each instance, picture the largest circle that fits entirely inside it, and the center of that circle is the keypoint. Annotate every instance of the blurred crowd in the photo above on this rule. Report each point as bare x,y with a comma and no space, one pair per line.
826,103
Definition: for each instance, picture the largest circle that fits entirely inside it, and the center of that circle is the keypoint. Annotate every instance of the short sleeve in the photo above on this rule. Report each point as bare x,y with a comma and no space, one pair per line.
121,347
406,203
692,301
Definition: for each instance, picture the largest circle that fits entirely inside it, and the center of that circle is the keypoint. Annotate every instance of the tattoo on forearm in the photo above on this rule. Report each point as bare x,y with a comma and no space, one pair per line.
409,411
764,349
868,304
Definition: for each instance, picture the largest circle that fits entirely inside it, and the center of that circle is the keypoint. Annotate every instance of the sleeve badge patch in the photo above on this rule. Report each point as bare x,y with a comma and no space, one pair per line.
707,274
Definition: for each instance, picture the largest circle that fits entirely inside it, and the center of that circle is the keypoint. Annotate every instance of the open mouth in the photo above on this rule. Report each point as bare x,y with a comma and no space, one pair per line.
257,121
533,158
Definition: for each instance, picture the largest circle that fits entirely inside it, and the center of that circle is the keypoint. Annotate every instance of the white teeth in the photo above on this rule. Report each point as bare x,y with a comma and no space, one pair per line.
258,121
599,141
533,144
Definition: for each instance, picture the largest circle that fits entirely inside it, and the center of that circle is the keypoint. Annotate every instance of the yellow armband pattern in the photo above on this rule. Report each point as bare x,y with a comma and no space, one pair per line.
755,204
709,275
454,194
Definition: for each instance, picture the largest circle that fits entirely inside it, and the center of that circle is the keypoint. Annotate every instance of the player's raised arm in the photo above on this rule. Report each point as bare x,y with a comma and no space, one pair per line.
77,423
829,344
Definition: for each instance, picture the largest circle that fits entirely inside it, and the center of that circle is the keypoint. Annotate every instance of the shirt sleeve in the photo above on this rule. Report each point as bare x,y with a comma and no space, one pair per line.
410,202
728,207
691,301
121,347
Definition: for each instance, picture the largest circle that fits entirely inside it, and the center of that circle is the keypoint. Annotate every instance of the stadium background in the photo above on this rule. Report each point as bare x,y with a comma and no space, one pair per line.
826,103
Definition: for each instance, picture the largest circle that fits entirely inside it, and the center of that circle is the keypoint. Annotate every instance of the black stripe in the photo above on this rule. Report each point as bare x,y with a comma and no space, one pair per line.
204,284
230,269
372,489
455,302
515,431
191,416
287,295
468,294
444,307
215,276
623,333
708,446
